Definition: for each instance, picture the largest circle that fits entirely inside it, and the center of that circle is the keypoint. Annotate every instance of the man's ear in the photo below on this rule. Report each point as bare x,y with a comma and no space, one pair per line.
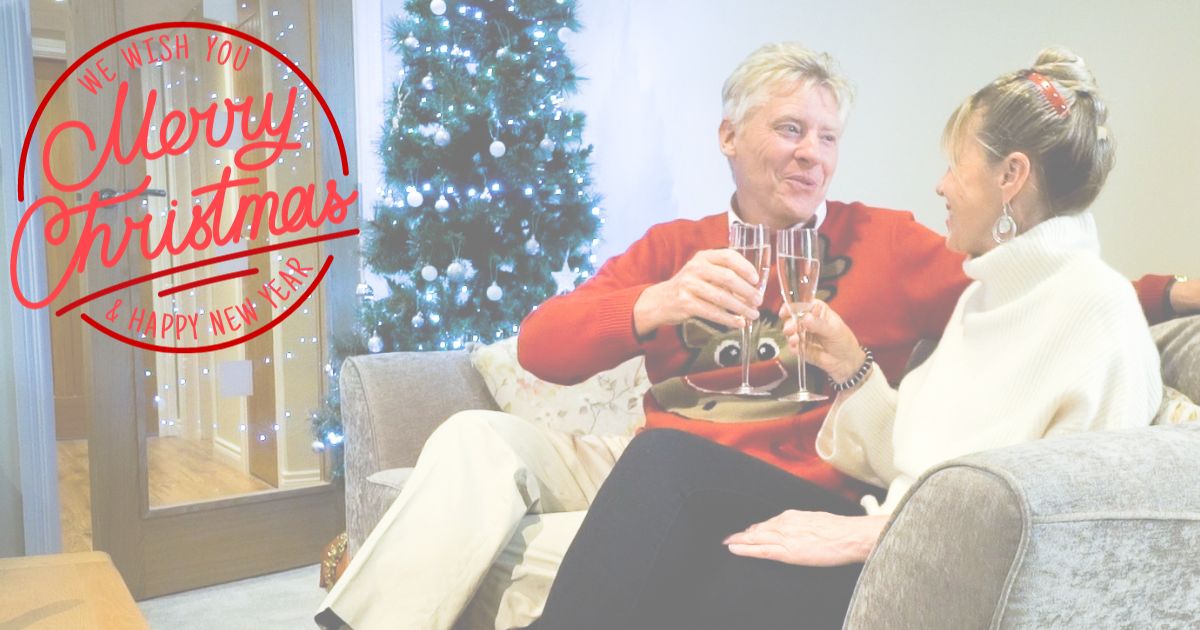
725,136
1014,174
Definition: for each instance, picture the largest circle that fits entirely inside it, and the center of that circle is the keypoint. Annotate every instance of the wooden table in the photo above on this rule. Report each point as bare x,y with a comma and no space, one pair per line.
76,591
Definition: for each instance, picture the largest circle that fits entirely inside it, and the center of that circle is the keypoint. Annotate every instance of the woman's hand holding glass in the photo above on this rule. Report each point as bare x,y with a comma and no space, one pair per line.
831,345
798,262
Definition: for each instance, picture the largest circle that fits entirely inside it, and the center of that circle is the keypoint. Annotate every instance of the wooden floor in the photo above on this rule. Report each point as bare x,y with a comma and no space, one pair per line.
181,471
79,591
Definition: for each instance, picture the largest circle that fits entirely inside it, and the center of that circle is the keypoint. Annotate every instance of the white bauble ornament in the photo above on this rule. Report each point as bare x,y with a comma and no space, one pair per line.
546,144
472,68
497,149
441,137
441,205
456,271
565,34
414,198
486,195
494,292
318,446
429,273
375,344
418,320
532,246
500,52
438,7
427,82
411,41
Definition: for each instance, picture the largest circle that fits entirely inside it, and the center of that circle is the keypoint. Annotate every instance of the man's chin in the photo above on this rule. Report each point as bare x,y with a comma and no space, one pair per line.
796,213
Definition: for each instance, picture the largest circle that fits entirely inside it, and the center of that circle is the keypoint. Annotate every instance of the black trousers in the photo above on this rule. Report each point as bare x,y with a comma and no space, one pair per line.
649,552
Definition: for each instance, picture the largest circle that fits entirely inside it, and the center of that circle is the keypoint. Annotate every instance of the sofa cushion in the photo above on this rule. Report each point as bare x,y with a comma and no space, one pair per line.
608,403
1179,345
1176,408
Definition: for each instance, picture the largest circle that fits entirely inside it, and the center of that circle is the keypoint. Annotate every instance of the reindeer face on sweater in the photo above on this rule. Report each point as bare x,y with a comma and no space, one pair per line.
714,346
714,366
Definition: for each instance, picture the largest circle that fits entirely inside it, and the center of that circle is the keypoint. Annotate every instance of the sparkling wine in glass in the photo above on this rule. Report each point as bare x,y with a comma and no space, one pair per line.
753,243
798,256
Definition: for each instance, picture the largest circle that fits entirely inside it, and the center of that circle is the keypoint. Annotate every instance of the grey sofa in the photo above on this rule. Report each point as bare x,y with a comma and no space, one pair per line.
1095,531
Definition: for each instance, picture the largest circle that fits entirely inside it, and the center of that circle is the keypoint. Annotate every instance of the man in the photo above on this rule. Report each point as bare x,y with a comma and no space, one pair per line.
679,297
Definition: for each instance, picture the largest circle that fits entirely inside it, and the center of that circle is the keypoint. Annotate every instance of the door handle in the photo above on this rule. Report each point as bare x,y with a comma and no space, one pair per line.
109,193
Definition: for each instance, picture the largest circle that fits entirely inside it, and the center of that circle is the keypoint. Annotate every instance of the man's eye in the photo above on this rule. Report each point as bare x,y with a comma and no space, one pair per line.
790,128
829,138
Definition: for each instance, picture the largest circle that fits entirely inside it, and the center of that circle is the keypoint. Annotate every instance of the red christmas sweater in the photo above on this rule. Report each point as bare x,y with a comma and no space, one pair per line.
891,279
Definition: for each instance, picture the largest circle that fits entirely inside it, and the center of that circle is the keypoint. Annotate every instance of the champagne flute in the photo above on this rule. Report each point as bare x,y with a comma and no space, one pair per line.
798,256
752,242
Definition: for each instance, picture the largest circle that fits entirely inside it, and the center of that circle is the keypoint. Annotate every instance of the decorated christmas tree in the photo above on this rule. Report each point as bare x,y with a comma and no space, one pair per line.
487,209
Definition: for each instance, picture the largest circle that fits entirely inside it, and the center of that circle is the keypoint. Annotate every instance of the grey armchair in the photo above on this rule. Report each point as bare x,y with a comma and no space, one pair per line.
1095,530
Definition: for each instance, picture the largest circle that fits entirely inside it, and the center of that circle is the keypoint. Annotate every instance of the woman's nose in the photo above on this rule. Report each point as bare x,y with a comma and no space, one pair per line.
940,187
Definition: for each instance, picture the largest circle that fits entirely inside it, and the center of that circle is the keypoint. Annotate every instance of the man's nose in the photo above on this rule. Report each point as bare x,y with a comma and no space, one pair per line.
806,148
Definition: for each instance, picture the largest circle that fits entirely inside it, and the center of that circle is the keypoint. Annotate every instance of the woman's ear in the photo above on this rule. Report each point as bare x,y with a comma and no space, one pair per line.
1015,172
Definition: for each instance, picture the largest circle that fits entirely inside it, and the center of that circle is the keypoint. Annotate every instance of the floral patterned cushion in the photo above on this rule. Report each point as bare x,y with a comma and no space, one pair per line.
608,403
1179,345
1176,408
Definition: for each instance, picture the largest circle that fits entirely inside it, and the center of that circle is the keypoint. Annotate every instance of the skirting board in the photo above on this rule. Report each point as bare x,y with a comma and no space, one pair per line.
299,478
227,450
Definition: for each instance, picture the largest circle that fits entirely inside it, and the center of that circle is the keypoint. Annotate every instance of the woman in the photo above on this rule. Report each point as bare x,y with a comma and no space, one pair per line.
1046,340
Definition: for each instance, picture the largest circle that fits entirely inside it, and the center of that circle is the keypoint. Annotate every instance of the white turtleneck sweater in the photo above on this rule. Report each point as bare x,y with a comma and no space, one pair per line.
1048,339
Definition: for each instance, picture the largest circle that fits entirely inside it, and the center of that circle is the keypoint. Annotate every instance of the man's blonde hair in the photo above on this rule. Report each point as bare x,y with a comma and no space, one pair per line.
778,65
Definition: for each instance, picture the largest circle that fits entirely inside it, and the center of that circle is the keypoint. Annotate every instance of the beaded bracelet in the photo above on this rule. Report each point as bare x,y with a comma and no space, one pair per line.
858,376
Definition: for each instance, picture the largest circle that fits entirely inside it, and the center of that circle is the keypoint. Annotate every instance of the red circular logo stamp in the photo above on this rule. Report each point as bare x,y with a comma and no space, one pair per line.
242,211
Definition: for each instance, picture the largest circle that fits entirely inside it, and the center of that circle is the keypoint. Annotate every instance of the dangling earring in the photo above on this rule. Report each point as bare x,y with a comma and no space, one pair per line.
1005,227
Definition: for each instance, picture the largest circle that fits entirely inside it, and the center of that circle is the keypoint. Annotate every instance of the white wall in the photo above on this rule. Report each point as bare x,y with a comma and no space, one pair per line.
653,102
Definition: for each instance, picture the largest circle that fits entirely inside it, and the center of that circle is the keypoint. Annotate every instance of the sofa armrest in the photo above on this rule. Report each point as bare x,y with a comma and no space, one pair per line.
1092,530
391,403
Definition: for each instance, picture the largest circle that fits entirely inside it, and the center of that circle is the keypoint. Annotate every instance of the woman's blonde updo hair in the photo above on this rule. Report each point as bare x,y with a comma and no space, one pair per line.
1071,154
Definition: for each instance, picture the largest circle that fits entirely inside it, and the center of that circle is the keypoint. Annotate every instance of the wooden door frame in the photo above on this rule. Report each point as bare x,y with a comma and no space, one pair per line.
240,536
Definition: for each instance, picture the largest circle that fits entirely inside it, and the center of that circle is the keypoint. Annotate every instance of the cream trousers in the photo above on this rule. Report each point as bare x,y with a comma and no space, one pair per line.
485,518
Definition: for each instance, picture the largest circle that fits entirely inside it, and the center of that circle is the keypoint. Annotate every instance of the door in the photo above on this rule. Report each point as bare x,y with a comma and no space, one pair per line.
200,457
